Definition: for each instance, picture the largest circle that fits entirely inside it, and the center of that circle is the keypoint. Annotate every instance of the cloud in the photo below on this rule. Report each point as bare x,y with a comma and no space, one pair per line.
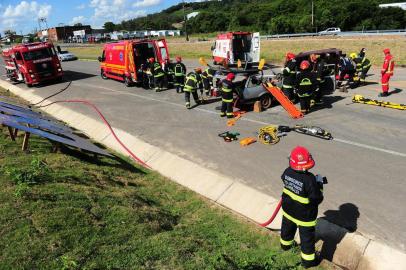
114,11
147,3
77,19
81,7
14,16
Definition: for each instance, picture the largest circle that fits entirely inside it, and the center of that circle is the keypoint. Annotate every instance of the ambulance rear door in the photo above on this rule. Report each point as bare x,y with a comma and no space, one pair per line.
162,53
255,52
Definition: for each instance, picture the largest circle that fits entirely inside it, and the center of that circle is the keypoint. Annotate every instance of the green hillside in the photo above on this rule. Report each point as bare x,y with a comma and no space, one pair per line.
277,16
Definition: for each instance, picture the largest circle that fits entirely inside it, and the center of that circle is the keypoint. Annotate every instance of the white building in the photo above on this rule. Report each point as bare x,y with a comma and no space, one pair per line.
192,15
402,5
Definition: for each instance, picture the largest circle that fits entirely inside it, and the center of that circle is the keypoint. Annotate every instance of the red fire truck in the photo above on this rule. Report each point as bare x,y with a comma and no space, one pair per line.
32,63
126,60
233,46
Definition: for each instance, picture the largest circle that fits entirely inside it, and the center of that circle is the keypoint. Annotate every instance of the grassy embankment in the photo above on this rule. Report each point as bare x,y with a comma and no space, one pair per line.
60,211
274,50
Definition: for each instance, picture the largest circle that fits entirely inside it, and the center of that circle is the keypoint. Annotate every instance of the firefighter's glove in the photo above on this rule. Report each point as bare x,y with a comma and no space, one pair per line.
321,179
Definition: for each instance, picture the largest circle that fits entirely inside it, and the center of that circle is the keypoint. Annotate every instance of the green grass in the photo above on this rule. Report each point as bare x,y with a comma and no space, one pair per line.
274,50
60,211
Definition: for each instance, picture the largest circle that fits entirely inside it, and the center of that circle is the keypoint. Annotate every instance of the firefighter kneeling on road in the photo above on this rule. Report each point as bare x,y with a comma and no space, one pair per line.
227,97
193,81
305,85
302,193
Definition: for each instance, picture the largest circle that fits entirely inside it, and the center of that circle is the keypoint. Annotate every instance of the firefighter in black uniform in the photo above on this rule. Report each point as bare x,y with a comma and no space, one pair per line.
227,98
302,193
320,70
193,81
158,74
180,74
305,84
289,75
365,65
169,73
207,78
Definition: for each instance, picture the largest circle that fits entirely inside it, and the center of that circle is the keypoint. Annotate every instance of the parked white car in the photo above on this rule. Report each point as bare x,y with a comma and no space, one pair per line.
330,31
65,55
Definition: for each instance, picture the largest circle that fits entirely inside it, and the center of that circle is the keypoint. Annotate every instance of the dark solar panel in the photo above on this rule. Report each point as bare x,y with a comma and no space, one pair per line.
33,122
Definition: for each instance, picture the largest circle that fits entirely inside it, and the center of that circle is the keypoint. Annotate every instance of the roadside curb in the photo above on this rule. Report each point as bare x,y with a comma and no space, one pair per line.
351,250
87,60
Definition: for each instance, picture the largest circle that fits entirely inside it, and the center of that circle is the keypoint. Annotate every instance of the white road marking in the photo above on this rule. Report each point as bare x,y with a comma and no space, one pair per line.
247,119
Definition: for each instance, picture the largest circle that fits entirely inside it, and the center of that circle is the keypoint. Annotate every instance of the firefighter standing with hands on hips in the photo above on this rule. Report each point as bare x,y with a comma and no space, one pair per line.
180,74
387,72
302,193
305,84
227,96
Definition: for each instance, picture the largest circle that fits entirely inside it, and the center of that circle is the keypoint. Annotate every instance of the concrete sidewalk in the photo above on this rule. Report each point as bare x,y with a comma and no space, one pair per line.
246,180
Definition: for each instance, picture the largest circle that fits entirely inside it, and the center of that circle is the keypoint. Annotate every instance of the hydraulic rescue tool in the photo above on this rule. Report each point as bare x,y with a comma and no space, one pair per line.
313,131
269,135
386,104
229,136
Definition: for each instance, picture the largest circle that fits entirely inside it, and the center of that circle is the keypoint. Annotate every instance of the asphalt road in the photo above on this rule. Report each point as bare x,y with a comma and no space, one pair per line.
365,163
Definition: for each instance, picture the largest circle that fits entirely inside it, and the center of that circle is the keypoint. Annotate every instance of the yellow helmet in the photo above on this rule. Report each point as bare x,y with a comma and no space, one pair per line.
353,55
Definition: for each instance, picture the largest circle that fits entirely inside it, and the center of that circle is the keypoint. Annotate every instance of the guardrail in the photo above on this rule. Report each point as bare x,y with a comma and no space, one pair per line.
349,33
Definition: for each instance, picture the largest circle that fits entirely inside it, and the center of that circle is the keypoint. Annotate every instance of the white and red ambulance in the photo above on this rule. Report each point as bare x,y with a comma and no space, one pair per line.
233,46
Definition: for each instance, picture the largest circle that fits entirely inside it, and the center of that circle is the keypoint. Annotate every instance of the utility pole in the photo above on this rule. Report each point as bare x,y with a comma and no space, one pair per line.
312,15
185,21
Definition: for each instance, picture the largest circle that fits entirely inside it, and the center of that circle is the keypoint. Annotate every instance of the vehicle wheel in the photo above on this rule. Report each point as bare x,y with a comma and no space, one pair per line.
266,101
29,85
103,75
128,82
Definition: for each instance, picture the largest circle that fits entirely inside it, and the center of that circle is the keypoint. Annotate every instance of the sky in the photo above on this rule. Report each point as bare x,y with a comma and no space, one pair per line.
22,15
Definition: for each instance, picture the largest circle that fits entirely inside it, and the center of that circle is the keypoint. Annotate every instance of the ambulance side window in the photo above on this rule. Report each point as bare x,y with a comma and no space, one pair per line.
163,53
18,56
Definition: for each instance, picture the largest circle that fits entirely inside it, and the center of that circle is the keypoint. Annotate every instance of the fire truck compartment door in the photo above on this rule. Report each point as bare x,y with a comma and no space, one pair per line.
255,47
163,50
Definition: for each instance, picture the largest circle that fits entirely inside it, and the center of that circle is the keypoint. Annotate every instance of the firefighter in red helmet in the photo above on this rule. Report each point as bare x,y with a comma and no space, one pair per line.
227,97
302,193
305,85
180,74
289,75
387,72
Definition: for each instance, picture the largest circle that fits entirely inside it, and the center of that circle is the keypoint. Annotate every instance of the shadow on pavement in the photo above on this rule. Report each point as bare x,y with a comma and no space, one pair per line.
70,75
396,91
346,217
328,102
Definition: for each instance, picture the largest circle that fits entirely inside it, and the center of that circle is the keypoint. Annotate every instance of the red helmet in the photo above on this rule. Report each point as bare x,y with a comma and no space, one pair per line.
198,70
178,59
290,56
386,51
230,77
151,60
300,159
304,65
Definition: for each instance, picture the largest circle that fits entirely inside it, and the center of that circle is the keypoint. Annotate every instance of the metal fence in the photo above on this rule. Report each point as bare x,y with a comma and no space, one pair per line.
347,34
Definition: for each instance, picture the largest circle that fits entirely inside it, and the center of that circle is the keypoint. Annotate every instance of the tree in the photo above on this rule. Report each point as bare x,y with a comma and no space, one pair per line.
109,26
9,32
78,24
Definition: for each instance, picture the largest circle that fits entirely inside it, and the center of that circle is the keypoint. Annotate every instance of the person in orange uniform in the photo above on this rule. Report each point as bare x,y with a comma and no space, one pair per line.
387,72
